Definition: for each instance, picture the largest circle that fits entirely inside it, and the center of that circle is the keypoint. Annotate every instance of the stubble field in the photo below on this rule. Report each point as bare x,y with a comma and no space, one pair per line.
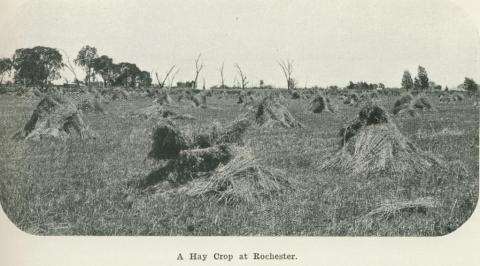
90,187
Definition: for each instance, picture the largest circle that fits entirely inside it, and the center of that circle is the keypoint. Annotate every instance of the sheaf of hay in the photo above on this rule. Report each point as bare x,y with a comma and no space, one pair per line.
217,134
351,99
55,117
296,95
321,104
200,100
408,104
372,144
168,141
120,94
391,208
219,167
271,113
90,103
164,99
242,179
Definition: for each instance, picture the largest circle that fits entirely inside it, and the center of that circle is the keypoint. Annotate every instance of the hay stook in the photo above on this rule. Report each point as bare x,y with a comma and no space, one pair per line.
55,117
372,145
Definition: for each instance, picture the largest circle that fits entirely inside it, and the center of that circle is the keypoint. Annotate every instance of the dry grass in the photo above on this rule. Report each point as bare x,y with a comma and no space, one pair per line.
90,187
242,179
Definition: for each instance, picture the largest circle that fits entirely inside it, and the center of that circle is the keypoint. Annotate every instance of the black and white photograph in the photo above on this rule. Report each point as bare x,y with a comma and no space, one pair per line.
239,118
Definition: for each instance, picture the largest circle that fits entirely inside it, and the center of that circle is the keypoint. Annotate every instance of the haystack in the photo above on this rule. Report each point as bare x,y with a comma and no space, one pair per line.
403,103
296,95
321,104
458,97
55,116
216,134
37,92
164,99
200,100
90,103
407,104
372,144
422,103
351,99
120,94
242,179
270,113
168,141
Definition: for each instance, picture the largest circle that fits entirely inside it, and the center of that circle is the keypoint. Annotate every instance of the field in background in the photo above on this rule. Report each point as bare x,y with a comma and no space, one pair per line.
76,187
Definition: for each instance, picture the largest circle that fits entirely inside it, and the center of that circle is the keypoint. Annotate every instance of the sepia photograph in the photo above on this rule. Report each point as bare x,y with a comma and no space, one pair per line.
239,118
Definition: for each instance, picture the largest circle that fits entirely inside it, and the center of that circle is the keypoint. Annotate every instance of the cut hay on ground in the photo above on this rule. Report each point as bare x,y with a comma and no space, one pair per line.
372,145
55,116
391,208
219,168
159,112
242,179
321,104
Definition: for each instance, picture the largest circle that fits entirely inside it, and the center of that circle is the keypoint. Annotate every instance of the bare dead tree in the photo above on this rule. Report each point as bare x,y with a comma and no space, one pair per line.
243,78
198,68
222,80
172,78
69,66
287,68
162,83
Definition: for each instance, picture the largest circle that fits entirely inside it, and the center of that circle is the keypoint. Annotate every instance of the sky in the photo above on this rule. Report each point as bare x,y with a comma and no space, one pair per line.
330,42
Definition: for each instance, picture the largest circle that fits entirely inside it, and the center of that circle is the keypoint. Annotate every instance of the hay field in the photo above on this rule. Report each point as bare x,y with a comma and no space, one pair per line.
89,187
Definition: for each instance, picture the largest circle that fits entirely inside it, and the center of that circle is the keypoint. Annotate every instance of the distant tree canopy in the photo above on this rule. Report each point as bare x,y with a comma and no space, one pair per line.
407,81
103,65
421,80
364,86
470,86
5,67
122,74
37,66
85,58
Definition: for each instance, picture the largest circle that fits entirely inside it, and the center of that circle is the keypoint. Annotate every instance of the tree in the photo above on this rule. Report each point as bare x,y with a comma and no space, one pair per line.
172,78
287,68
421,80
407,81
69,66
125,74
161,84
222,80
85,59
470,86
37,66
243,78
198,68
5,68
103,65
144,79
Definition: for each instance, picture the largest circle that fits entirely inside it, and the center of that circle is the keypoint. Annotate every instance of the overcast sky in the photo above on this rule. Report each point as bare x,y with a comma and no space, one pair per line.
331,42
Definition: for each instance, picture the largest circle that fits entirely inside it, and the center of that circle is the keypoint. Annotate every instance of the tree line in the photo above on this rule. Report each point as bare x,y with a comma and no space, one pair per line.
39,66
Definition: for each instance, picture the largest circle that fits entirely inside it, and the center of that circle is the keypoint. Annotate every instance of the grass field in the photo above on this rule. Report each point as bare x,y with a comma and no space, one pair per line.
75,187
